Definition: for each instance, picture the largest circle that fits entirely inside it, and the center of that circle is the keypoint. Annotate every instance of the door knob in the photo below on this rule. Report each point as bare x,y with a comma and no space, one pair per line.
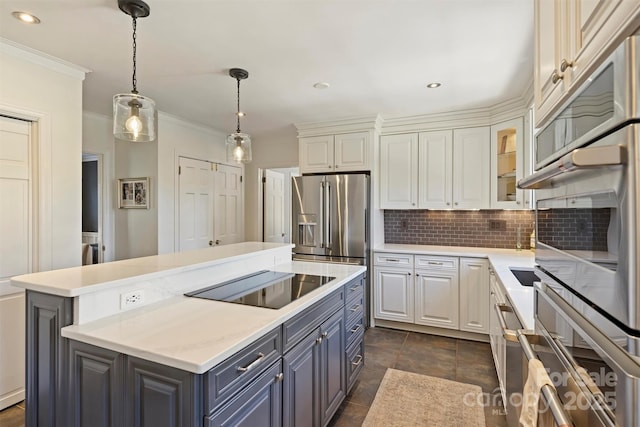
210,242
217,242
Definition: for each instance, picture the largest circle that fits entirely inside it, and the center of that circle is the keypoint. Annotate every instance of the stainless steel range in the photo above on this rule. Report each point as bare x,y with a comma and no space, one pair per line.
587,214
267,289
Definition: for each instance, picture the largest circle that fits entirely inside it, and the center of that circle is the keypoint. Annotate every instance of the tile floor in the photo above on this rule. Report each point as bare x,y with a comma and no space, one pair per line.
454,359
450,358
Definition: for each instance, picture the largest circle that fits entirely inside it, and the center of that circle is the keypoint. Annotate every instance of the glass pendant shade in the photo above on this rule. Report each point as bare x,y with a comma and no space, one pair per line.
134,117
238,148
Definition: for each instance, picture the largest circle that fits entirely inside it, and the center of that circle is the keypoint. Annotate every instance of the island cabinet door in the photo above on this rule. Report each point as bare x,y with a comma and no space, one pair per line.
332,369
301,387
259,405
96,384
160,396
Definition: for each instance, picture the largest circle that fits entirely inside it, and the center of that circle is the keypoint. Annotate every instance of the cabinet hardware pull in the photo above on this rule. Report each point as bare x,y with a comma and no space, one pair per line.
354,288
456,203
392,260
435,263
325,334
251,365
448,203
353,309
318,340
356,328
556,77
279,377
359,358
564,64
408,274
417,274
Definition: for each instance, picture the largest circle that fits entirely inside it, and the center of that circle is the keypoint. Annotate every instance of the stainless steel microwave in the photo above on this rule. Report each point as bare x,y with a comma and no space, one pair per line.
605,102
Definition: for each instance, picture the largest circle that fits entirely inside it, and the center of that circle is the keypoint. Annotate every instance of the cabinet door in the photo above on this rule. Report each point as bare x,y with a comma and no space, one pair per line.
301,386
332,368
474,295
96,386
259,405
352,152
507,164
471,168
436,298
435,161
316,154
551,44
394,295
161,396
399,171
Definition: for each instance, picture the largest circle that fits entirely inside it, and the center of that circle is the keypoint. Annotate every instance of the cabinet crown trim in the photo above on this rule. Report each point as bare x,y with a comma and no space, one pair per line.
337,126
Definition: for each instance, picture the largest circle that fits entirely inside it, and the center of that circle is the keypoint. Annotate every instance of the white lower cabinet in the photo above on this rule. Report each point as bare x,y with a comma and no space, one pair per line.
443,292
474,295
394,294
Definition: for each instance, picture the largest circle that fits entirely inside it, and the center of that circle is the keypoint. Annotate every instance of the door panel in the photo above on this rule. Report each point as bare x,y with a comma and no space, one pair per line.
394,295
274,210
195,204
228,210
347,212
437,298
308,215
333,360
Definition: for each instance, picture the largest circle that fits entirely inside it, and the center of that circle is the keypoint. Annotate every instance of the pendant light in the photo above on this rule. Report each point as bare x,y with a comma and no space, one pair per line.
238,143
134,115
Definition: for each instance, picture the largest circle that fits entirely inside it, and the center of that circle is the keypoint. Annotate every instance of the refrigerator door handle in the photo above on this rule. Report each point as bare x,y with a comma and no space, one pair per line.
323,214
327,215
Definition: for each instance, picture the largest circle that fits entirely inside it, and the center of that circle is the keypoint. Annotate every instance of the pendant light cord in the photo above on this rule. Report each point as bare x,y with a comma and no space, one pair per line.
238,113
134,81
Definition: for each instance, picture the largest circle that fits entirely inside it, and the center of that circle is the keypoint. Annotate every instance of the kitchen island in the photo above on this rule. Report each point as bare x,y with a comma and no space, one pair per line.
94,357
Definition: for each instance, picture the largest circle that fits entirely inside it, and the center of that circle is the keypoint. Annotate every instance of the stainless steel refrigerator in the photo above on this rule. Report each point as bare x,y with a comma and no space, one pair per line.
330,220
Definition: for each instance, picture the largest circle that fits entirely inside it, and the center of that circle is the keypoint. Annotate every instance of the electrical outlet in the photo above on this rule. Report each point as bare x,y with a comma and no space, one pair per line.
497,224
403,225
130,299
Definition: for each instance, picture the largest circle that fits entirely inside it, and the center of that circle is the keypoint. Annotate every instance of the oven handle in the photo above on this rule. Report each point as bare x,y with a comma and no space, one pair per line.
548,391
508,334
580,158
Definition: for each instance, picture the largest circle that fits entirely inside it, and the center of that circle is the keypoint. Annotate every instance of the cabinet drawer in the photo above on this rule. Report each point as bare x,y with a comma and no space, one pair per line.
354,328
261,401
354,289
224,380
436,262
354,308
355,361
393,260
301,325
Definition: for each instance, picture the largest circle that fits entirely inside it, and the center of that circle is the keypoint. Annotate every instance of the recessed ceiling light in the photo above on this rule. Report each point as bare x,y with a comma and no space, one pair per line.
321,85
25,17
434,85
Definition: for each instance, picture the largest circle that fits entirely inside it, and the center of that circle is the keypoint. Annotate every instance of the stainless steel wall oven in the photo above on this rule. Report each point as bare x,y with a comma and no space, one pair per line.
587,213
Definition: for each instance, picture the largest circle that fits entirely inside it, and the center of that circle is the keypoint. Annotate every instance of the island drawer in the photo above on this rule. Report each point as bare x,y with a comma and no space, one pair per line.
354,308
353,288
225,379
301,325
354,328
355,361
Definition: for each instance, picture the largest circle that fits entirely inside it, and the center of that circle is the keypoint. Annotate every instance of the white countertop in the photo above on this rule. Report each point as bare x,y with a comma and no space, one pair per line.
74,281
501,259
195,334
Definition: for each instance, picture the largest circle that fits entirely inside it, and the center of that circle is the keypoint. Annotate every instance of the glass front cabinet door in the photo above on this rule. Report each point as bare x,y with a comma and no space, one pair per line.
508,165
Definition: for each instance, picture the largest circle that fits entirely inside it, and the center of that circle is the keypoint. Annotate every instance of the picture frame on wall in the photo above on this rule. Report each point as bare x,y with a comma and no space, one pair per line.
133,193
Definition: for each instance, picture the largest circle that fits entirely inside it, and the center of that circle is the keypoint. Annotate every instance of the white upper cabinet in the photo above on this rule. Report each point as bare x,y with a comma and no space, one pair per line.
508,153
399,171
435,169
335,153
471,167
571,37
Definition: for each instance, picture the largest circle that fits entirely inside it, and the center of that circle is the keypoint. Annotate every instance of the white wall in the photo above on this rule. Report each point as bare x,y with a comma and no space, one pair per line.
49,91
176,138
97,138
270,151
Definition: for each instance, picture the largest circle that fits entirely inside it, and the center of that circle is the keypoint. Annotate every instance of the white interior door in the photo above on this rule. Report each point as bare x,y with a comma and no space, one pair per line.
15,252
196,189
228,206
274,206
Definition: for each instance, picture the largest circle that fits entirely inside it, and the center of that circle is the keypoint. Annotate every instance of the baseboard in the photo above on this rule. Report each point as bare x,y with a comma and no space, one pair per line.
451,333
11,398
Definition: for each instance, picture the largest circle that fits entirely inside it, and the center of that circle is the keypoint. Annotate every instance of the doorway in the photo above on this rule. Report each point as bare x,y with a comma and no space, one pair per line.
275,203
92,240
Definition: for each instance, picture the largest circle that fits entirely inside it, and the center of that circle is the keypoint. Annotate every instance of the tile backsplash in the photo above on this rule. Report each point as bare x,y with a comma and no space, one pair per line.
488,228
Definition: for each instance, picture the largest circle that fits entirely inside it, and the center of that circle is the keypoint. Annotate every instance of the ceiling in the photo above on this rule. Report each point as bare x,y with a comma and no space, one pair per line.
377,55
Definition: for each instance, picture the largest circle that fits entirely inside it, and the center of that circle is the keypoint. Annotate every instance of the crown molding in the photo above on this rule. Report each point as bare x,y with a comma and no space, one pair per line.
349,124
34,56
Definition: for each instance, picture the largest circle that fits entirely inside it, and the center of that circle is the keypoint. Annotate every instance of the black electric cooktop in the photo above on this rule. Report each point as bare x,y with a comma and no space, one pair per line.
268,289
